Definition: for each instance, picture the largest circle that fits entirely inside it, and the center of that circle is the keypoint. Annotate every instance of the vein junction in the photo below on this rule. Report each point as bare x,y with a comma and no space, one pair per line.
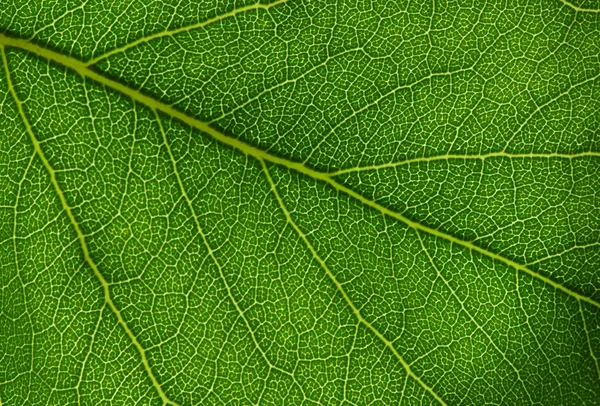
85,71
341,289
80,235
167,33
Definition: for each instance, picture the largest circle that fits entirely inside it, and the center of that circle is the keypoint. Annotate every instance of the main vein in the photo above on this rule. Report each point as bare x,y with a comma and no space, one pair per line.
85,71
341,289
80,236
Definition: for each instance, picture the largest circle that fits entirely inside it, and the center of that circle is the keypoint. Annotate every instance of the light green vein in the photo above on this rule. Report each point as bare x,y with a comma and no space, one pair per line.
88,353
80,236
340,287
375,102
563,252
235,143
447,157
583,10
57,19
212,255
464,309
589,341
168,33
456,240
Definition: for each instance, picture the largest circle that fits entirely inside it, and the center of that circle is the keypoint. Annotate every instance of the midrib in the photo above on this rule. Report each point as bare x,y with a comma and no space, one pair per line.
257,153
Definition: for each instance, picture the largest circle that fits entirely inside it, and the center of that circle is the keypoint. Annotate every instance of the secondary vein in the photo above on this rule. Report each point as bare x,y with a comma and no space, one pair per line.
82,69
80,236
588,339
212,255
470,316
167,33
447,157
580,9
340,287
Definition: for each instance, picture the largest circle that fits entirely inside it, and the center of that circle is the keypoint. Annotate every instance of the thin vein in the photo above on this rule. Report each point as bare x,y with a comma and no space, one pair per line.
57,19
258,153
563,252
88,353
212,255
540,107
357,112
80,236
583,10
340,287
16,252
168,33
462,305
447,157
589,341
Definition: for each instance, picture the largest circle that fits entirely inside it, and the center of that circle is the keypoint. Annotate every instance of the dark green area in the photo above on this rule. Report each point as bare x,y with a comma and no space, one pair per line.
461,265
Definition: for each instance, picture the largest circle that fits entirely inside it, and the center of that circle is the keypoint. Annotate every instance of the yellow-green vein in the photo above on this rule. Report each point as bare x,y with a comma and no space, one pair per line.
88,353
211,253
589,342
235,143
340,287
576,8
456,240
80,236
447,157
464,309
167,33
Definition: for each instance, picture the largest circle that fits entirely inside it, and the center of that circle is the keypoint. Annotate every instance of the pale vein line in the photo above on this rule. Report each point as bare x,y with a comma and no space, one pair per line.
357,112
87,355
540,107
340,287
80,235
560,253
589,341
347,376
258,153
462,305
583,10
57,19
447,157
403,390
456,240
288,81
167,33
213,257
18,266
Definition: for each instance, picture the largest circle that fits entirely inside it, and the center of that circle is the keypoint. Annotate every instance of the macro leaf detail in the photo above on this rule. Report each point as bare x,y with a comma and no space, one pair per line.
300,202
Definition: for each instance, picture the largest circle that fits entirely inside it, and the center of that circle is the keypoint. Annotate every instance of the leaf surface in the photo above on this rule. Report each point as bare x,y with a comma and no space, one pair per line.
299,202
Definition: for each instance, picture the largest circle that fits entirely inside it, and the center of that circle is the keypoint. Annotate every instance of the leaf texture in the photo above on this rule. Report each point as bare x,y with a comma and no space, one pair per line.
299,202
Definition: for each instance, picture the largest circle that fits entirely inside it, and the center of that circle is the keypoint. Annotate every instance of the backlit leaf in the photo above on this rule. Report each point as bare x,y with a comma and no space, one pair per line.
299,202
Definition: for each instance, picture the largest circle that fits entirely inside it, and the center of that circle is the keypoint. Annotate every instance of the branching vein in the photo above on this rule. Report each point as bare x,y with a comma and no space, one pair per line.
85,71
448,157
341,289
80,236
582,10
169,33
212,255
464,309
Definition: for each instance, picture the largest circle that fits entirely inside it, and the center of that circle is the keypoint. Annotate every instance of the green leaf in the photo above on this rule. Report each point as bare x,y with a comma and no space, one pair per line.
299,202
